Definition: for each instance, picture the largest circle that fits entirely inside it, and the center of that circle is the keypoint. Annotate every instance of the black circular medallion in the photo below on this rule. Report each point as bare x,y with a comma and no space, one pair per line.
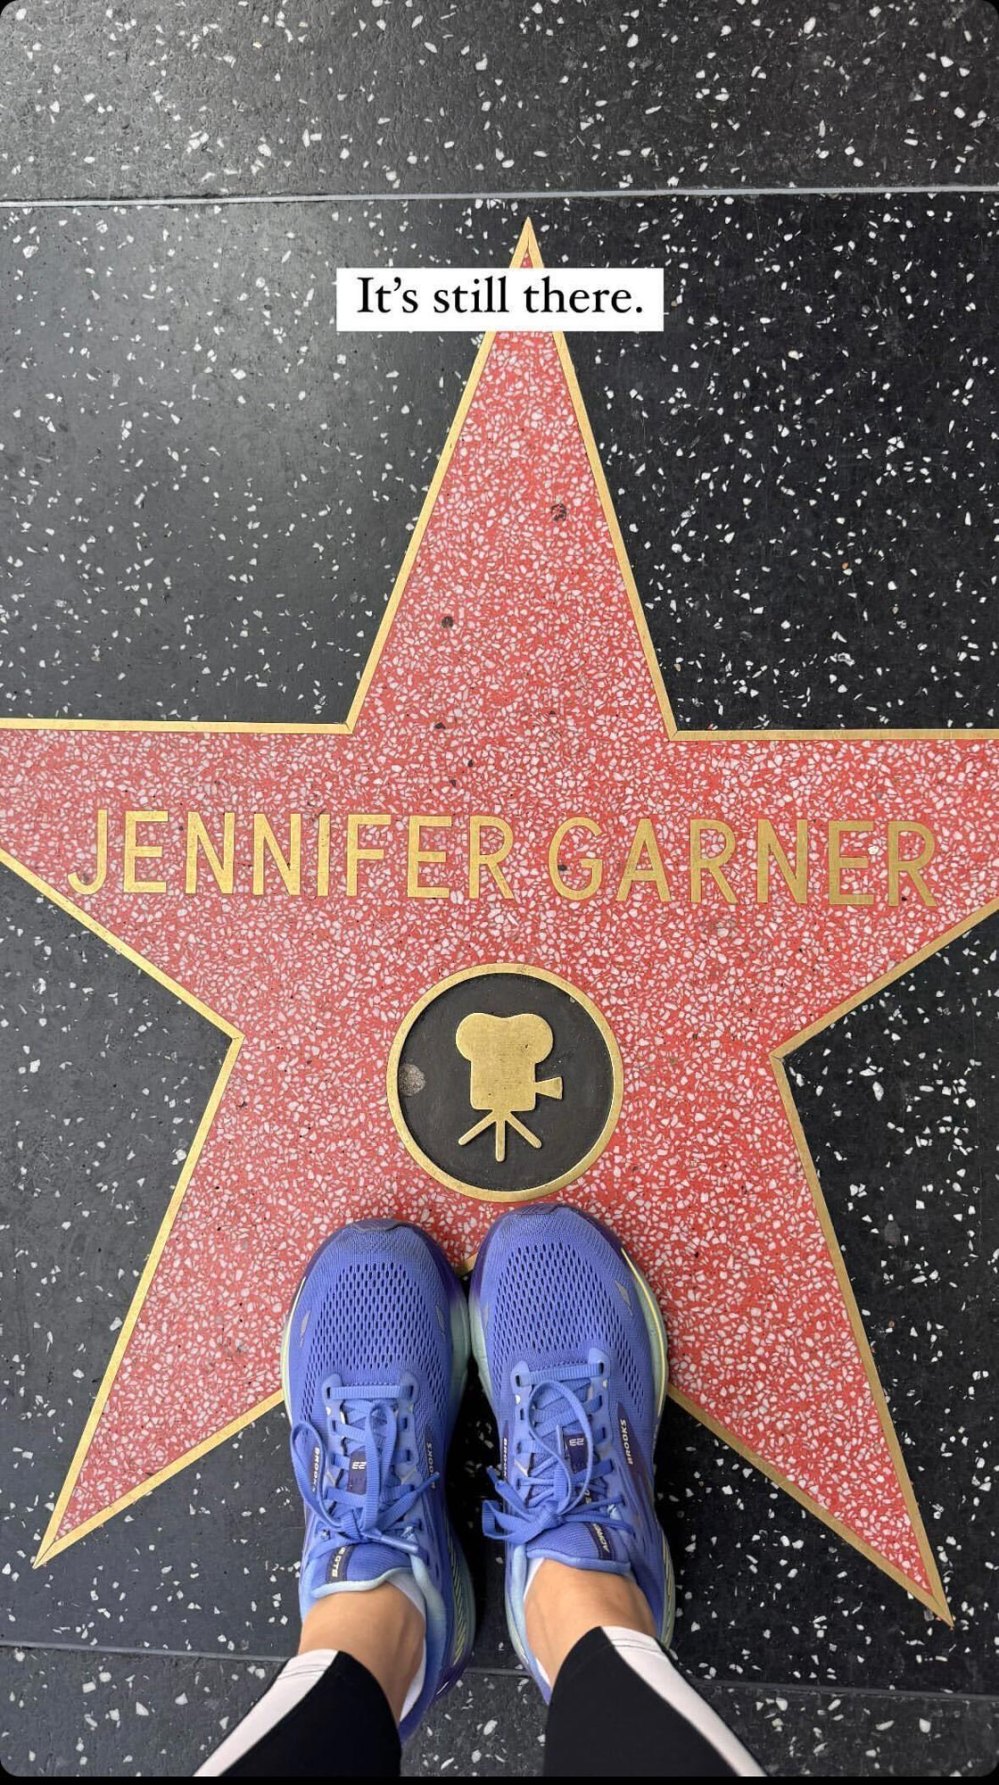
504,1082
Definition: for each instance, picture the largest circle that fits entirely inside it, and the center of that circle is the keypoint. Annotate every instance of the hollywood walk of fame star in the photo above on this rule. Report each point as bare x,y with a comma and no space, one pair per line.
513,680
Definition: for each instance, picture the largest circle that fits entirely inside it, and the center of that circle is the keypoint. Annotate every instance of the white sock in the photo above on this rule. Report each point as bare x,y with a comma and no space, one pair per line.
532,1568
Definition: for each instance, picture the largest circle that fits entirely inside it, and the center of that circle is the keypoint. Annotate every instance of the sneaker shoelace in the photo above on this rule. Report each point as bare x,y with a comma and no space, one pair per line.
555,1406
371,1428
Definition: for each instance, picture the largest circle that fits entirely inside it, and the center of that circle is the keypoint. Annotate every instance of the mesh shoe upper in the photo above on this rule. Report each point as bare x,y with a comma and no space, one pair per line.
558,1289
373,1307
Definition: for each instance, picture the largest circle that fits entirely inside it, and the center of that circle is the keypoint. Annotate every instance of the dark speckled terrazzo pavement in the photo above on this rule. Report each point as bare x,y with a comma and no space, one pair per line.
427,96
205,495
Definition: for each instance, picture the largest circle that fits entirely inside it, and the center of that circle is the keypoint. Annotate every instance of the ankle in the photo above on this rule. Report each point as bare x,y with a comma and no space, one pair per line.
380,1628
565,1602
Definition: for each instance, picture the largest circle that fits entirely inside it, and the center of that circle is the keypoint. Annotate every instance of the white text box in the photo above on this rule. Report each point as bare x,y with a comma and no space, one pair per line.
452,300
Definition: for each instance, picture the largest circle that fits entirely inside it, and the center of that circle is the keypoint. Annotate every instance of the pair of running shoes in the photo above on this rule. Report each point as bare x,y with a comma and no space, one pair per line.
571,1350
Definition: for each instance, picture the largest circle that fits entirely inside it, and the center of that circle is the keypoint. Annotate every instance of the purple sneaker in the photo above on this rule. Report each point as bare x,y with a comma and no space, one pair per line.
571,1349
373,1366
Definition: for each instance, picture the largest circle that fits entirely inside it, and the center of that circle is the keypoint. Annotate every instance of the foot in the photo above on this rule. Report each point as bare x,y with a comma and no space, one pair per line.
374,1360
571,1349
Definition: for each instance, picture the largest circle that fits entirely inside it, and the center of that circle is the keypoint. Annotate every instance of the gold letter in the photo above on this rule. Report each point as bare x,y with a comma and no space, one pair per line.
323,856
416,856
838,861
134,851
713,863
197,837
290,869
644,840
100,872
479,858
355,853
591,862
897,865
796,878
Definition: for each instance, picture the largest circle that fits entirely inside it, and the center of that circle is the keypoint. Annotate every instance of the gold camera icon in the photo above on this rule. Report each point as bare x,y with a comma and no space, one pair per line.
504,1053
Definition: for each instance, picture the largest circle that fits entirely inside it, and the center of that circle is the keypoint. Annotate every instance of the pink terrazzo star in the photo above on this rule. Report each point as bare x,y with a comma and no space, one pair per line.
513,679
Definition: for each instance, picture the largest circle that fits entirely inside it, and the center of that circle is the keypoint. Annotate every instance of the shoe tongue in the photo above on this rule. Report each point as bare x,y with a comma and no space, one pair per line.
348,1472
351,1470
352,1475
559,1421
582,1543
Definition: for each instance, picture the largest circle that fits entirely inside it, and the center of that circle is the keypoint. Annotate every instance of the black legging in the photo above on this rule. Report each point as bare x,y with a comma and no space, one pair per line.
619,1709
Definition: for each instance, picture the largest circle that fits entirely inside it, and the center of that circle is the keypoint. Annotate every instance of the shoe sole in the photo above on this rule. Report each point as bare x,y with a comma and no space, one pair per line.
656,1329
461,1579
